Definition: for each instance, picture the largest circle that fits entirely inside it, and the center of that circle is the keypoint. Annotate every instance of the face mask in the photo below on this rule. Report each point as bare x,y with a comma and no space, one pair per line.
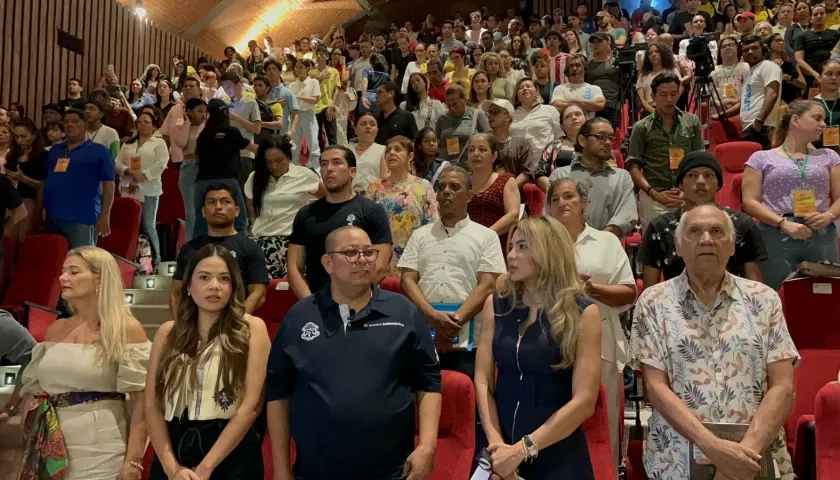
497,36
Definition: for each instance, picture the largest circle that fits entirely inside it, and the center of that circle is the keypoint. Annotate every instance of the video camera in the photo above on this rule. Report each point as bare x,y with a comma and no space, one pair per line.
698,51
625,57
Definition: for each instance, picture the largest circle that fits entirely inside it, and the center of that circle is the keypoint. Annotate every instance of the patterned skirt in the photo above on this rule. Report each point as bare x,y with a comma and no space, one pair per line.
274,248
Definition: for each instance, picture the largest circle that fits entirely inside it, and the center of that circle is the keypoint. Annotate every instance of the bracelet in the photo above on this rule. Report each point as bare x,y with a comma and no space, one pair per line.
134,464
175,474
779,225
647,192
833,216
525,449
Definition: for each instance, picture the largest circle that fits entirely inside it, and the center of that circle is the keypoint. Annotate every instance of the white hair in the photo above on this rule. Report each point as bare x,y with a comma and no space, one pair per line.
730,226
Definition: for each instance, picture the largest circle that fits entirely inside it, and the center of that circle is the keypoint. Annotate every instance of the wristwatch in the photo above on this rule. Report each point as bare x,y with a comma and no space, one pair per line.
531,448
12,410
758,122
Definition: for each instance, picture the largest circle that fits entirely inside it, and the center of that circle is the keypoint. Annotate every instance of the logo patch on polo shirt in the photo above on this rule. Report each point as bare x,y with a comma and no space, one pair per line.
350,219
309,332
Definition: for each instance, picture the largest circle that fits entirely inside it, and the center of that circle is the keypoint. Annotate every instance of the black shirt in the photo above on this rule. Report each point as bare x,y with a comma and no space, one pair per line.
659,248
69,103
399,122
351,383
318,219
816,46
218,155
677,26
34,168
9,199
402,64
247,253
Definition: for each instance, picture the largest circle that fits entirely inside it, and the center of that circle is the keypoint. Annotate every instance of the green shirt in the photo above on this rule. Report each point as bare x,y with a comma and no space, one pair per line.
650,144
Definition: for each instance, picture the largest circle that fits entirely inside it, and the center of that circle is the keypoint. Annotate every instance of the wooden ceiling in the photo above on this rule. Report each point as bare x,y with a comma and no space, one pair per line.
213,24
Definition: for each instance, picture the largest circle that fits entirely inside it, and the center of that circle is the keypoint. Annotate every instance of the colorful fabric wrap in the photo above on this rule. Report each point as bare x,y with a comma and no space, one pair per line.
45,457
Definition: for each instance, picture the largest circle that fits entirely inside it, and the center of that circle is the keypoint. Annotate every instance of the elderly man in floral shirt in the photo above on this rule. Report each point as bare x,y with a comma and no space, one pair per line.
713,348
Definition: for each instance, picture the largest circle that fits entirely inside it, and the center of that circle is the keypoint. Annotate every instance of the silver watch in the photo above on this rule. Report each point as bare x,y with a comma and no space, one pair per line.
12,410
531,448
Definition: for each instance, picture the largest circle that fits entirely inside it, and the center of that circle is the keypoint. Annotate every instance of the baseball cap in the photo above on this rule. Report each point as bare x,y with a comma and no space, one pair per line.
599,36
749,15
499,102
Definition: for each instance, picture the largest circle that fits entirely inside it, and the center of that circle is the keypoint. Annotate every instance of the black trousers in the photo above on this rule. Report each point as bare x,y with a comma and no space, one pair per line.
329,127
761,137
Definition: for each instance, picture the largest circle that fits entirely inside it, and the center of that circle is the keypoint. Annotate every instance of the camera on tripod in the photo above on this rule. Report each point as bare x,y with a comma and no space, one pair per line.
625,58
698,51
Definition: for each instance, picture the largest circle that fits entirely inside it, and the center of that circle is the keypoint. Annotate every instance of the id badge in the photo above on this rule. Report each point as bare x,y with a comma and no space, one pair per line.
675,155
453,147
729,91
831,136
135,163
804,202
612,162
61,165
813,92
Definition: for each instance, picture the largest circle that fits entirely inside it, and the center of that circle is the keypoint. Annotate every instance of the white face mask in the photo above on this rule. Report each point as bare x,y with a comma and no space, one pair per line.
497,36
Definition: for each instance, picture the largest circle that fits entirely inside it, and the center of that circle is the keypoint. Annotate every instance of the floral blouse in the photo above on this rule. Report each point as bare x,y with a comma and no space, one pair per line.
716,360
409,205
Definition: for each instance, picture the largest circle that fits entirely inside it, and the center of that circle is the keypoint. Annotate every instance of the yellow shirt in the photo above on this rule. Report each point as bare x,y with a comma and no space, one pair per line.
766,14
276,109
328,87
462,81
708,8
832,19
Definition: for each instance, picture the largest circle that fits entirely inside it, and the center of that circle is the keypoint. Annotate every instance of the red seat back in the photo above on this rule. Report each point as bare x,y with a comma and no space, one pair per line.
456,430
125,227
827,412
718,134
801,299
733,156
6,269
36,279
619,158
392,284
277,305
171,204
535,199
815,369
597,430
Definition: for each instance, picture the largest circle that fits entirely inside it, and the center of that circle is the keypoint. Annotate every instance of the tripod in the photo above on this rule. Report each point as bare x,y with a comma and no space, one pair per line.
627,93
704,90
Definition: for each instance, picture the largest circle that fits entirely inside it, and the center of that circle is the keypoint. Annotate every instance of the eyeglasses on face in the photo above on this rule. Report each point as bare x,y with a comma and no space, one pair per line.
601,137
353,255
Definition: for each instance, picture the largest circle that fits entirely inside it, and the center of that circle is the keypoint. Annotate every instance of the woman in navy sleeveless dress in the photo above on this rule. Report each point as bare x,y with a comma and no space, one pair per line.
548,362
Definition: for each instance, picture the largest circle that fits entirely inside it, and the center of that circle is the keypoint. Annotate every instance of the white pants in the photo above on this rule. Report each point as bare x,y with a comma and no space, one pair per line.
307,128
613,381
650,209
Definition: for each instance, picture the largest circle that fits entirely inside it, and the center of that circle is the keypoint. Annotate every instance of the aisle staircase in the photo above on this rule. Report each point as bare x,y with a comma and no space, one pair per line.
149,298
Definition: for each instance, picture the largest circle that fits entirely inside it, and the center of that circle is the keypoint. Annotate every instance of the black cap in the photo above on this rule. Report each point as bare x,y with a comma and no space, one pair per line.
52,106
699,158
95,104
598,36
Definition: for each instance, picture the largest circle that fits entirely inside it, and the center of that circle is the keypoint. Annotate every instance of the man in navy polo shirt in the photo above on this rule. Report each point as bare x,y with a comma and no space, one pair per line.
79,187
345,371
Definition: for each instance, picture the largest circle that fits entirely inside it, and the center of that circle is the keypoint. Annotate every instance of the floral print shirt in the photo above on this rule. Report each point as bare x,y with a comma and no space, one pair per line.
716,360
409,205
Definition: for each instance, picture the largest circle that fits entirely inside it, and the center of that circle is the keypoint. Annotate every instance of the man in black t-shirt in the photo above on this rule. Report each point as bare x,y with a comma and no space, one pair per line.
682,20
220,210
340,207
813,46
392,120
699,176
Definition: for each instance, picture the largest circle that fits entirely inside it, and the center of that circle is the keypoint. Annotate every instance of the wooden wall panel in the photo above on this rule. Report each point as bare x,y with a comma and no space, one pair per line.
35,69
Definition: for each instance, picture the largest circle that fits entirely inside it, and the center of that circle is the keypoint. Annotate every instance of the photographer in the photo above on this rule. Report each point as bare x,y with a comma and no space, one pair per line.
601,72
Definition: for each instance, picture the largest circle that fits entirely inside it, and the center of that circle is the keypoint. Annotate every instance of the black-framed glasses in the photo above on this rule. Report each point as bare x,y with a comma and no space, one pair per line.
601,137
353,255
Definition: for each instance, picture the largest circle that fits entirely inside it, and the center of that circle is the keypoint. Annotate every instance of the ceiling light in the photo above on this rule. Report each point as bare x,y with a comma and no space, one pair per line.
138,8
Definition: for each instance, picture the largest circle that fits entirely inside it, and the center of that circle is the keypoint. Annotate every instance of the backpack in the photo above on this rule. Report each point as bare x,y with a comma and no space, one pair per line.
266,115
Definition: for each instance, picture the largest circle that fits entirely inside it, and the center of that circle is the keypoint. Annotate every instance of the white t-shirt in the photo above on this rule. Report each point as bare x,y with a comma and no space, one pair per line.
105,136
736,76
752,98
282,199
249,110
307,88
577,91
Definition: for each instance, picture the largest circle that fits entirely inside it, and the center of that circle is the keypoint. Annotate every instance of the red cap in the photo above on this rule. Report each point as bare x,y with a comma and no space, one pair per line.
750,15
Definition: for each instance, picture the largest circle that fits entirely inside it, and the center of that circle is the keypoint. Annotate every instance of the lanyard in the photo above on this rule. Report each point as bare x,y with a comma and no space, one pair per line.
731,72
672,135
801,166
829,110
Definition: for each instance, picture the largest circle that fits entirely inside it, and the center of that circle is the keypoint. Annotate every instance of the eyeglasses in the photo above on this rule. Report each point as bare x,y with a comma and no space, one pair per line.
353,255
601,137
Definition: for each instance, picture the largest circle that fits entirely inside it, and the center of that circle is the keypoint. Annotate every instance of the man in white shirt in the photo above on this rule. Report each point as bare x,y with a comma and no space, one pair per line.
589,97
308,91
274,52
448,270
784,18
475,31
245,116
760,98
361,63
96,131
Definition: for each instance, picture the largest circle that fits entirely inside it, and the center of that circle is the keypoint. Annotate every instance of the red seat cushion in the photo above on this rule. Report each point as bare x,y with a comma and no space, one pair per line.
125,228
41,259
815,370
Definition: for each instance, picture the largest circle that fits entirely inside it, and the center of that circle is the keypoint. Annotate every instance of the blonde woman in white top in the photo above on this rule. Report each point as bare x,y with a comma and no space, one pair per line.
368,153
532,119
141,163
81,375
206,377
274,192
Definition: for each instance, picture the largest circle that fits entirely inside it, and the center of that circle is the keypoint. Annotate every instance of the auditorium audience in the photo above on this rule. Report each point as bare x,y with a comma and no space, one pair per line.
25,166
495,199
368,153
515,154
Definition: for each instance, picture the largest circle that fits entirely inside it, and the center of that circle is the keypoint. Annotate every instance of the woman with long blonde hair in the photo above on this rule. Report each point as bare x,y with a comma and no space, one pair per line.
80,375
206,376
544,336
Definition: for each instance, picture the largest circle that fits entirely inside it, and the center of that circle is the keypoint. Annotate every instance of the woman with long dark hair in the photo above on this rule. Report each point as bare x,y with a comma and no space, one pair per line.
137,96
425,110
217,149
141,163
206,376
179,75
185,137
165,96
426,162
150,78
25,165
274,192
16,112
658,59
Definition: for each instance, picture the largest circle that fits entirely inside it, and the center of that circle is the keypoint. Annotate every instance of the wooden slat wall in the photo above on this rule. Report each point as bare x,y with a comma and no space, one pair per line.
546,7
34,70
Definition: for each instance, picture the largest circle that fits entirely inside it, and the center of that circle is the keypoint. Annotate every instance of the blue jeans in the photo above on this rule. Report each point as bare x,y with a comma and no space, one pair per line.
150,209
785,253
186,183
77,234
241,223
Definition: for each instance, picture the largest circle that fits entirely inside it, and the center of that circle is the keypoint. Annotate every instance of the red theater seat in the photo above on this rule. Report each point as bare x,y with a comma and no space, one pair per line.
733,156
277,305
392,284
827,414
812,307
125,228
535,199
597,430
456,432
171,206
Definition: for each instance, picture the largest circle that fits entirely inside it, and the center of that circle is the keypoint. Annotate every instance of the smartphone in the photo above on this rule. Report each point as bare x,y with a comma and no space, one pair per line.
110,68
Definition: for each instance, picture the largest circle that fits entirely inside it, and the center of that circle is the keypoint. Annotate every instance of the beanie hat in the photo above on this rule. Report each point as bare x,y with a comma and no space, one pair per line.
699,158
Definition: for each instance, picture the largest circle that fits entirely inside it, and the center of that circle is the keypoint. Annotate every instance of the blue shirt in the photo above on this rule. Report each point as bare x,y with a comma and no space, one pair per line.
75,195
290,104
351,384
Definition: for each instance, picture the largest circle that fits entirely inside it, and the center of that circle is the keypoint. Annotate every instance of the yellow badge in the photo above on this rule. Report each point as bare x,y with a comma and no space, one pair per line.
831,136
453,147
729,91
675,155
804,202
61,165
135,163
